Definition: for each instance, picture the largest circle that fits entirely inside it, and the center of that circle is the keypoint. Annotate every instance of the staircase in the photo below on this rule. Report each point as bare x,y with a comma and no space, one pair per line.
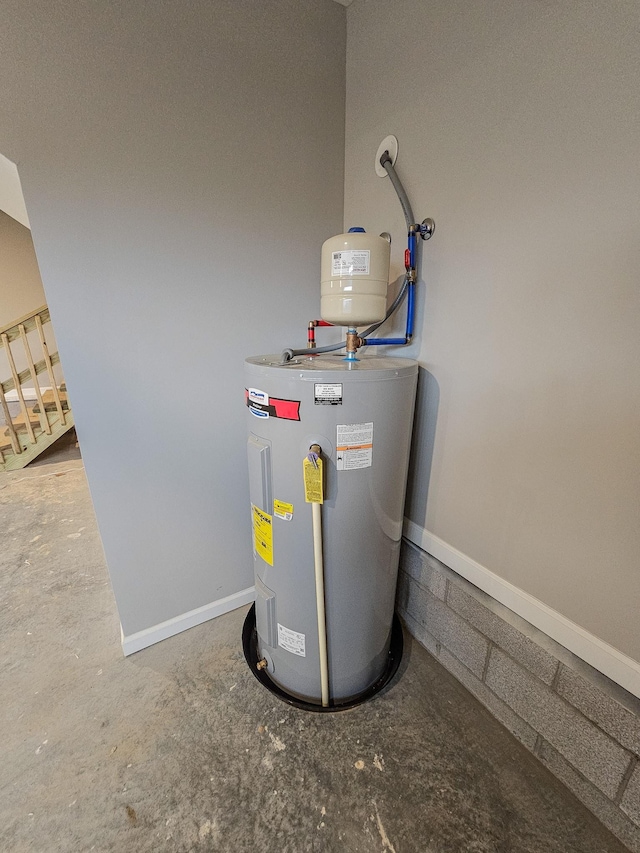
27,427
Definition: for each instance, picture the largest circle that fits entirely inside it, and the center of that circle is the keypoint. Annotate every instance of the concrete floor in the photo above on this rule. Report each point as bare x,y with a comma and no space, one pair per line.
178,748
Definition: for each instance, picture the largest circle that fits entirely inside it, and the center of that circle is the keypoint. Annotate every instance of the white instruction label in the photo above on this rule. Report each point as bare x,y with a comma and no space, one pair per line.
328,393
350,262
291,641
354,446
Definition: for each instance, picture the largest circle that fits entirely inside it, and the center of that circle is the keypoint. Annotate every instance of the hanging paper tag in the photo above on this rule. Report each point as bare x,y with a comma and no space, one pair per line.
313,493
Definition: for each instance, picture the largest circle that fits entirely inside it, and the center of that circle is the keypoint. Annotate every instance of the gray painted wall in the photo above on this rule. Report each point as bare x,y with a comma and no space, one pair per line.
11,197
20,283
181,167
519,130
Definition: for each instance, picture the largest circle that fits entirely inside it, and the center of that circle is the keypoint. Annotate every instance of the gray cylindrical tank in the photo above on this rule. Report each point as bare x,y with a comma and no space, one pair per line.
361,415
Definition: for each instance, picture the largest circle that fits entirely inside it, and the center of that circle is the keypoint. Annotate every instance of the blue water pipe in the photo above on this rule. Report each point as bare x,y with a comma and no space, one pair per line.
410,257
399,342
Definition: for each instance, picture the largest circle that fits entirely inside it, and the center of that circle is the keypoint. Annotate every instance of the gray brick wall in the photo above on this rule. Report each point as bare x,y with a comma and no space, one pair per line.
599,758
531,656
583,727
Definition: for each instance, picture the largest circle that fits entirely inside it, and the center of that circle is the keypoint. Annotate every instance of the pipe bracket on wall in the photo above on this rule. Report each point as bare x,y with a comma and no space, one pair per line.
427,227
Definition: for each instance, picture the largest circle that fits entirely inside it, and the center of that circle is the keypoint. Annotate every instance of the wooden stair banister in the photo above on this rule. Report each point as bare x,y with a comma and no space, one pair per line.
24,437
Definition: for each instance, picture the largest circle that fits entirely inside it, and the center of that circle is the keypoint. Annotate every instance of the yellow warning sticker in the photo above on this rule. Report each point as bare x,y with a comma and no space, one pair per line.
283,510
313,493
263,534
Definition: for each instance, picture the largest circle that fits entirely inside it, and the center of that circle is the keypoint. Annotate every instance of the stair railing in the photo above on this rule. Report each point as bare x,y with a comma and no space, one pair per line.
25,436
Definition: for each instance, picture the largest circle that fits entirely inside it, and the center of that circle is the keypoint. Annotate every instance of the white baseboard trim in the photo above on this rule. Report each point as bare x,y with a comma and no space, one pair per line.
28,394
140,640
605,658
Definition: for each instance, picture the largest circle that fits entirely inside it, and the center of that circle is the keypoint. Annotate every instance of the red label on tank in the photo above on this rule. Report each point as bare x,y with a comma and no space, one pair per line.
272,407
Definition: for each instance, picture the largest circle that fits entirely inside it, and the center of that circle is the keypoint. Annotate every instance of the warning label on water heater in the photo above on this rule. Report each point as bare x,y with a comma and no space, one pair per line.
354,446
283,510
262,534
291,641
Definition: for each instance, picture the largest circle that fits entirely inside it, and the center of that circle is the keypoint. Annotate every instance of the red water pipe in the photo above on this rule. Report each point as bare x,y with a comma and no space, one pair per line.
311,331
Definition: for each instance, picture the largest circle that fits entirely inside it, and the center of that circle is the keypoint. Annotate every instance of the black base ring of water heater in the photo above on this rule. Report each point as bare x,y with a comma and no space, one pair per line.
250,648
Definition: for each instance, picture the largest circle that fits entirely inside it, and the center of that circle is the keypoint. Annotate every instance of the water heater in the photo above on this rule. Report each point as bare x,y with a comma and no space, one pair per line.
360,416
329,435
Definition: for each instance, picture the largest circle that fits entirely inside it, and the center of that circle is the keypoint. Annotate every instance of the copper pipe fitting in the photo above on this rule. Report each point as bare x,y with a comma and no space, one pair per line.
353,341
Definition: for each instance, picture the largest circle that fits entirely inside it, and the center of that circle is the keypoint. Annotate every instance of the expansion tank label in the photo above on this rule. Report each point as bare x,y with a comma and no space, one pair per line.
262,406
327,393
283,510
350,262
354,446
262,534
291,641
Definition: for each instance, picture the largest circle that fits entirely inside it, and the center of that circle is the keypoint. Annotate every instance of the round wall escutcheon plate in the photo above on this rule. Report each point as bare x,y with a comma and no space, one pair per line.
390,144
